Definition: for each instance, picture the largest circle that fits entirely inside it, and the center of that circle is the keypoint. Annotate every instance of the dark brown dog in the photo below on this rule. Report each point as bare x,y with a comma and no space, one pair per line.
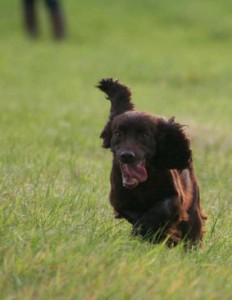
153,185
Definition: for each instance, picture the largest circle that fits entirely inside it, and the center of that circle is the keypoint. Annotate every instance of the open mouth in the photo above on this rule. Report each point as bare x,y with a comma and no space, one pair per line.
133,174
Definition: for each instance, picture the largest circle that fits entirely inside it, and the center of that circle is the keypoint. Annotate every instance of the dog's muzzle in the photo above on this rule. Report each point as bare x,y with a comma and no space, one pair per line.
133,174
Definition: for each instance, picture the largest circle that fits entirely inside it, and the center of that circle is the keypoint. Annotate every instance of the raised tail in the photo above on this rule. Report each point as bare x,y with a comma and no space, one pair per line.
118,94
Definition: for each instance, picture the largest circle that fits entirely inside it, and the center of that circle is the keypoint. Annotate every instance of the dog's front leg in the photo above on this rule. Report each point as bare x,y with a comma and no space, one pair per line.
159,217
130,215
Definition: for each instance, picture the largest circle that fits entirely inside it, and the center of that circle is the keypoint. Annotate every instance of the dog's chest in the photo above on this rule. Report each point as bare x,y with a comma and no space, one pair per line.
141,199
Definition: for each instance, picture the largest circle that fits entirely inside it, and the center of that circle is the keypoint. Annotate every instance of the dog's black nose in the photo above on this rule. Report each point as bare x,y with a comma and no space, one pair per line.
127,156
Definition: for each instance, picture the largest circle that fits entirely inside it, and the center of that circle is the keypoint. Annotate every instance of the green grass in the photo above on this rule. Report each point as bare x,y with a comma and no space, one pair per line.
58,238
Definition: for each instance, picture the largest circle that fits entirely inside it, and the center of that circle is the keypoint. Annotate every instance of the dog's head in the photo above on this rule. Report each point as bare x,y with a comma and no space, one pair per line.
140,141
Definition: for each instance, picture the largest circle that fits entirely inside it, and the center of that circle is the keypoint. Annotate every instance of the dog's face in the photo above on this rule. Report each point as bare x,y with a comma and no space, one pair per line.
140,141
133,145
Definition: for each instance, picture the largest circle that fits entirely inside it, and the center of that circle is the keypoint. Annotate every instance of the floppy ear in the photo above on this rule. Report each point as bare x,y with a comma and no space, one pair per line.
173,146
120,100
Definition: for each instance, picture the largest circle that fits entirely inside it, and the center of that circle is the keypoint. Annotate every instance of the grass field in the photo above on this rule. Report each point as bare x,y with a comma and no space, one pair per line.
58,238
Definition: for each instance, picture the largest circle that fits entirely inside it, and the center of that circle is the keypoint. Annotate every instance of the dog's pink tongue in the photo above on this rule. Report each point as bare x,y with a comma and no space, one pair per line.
137,172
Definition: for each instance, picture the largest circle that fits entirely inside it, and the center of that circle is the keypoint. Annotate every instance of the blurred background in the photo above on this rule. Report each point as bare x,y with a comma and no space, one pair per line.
163,48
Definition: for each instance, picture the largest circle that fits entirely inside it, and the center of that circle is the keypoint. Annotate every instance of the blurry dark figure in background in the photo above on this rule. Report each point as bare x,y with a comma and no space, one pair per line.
56,16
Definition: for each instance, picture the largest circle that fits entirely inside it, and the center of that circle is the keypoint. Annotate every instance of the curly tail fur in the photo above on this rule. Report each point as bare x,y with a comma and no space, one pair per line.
118,94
